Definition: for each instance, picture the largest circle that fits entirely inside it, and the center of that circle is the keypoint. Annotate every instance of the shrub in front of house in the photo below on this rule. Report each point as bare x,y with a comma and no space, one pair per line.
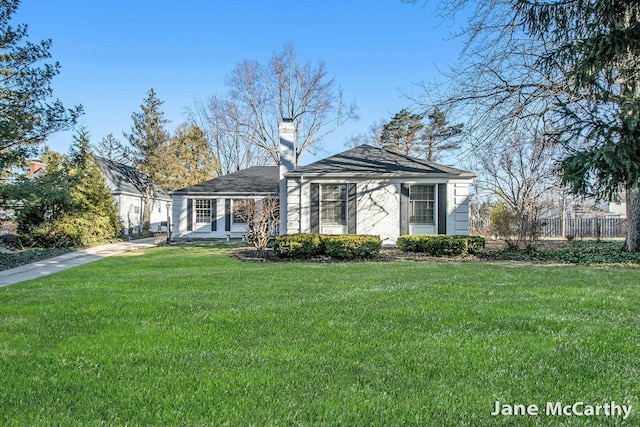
303,246
298,246
352,246
71,231
441,245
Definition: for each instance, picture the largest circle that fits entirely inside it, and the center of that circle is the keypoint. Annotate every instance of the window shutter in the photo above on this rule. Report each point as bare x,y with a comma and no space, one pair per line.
214,215
227,214
315,208
352,210
442,208
404,209
189,214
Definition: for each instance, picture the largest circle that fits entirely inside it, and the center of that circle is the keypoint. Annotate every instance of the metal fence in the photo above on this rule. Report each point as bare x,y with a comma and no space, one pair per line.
599,228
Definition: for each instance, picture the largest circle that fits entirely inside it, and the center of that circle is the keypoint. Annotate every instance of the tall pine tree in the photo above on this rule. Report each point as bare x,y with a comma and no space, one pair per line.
27,115
402,133
91,198
437,135
111,148
151,151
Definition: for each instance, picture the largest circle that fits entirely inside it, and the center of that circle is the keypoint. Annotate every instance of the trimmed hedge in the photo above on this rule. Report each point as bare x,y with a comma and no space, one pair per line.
352,246
303,246
441,245
298,246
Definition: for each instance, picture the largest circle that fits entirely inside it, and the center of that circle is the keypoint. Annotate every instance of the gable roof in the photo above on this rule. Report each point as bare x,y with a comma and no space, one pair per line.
366,160
123,179
253,180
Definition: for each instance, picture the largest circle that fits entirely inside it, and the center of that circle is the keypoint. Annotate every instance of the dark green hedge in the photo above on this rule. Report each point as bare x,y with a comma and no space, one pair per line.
441,245
298,246
352,246
28,256
302,246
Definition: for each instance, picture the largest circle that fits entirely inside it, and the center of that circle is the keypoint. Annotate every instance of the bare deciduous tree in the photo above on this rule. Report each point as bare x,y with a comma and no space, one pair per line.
371,137
260,96
522,175
220,121
262,218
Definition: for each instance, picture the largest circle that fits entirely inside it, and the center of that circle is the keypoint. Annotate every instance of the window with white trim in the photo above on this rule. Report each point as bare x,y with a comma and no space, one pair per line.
422,202
333,204
202,211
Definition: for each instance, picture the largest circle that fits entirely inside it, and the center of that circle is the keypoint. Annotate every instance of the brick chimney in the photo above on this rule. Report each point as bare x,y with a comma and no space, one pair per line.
287,134
35,166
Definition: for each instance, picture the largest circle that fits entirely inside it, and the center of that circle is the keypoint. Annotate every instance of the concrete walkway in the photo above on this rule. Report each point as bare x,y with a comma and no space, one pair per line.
69,260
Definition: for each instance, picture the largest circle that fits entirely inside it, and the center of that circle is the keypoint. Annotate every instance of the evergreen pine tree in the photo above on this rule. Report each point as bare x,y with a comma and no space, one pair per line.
112,149
90,194
150,148
28,116
402,133
438,133
70,204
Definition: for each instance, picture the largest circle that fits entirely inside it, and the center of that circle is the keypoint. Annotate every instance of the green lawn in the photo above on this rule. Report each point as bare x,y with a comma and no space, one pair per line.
188,336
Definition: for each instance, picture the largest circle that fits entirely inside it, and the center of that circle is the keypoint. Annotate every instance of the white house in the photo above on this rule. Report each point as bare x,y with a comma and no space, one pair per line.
128,189
364,190
205,210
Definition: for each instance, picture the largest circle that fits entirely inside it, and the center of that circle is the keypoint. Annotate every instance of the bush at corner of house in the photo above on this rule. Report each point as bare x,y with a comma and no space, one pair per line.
298,246
356,246
441,245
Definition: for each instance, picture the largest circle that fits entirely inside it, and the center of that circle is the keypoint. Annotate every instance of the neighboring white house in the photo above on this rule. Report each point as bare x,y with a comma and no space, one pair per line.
364,190
128,188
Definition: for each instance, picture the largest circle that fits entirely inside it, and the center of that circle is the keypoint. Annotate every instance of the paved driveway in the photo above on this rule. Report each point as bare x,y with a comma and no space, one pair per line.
69,260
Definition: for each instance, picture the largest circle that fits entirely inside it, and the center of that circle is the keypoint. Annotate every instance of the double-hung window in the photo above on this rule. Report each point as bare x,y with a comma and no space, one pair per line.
202,211
422,201
333,202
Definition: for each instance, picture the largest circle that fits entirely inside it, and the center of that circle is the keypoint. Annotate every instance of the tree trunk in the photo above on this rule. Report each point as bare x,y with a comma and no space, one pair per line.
632,243
146,212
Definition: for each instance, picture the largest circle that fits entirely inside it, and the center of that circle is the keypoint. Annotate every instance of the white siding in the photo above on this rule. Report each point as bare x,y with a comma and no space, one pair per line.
379,209
458,207
179,216
131,211
180,219
378,203
159,215
294,214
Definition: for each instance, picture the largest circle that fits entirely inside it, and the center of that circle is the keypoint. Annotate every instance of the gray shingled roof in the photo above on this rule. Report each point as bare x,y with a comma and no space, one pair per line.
123,179
253,180
368,160
363,160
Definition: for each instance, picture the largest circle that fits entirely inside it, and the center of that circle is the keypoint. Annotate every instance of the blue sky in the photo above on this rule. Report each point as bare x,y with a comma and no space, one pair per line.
112,52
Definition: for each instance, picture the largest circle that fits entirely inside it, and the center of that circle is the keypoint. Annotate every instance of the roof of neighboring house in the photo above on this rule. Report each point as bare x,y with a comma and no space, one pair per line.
123,179
368,161
253,180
